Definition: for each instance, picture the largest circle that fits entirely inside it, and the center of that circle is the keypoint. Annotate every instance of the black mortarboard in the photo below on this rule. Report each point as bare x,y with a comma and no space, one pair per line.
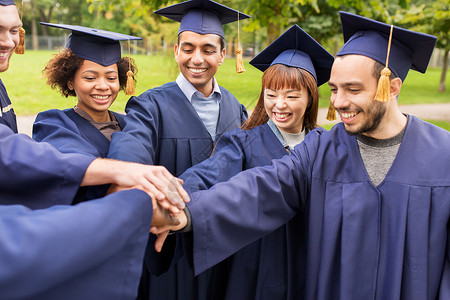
6,2
100,46
201,16
296,48
409,49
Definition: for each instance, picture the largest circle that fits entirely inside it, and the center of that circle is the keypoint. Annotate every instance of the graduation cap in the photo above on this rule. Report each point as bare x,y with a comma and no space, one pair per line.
99,46
397,48
296,48
204,17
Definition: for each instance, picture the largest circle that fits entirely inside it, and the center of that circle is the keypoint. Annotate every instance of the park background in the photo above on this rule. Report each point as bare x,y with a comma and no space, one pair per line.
154,54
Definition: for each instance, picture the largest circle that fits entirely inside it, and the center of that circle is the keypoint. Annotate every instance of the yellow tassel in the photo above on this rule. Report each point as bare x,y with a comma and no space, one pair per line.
130,83
384,86
239,62
331,115
20,49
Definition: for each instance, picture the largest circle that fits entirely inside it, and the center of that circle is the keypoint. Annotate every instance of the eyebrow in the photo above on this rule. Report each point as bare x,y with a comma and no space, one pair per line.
92,71
347,84
203,46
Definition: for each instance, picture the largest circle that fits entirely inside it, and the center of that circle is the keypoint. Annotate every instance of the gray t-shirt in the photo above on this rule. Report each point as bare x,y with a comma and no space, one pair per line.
378,155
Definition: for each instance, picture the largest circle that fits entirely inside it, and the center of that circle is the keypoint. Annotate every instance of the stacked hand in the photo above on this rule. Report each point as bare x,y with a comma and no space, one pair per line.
155,180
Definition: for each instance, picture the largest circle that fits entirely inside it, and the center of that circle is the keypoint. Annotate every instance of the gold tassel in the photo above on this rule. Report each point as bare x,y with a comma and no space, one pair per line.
384,85
20,49
331,115
130,88
239,61
130,83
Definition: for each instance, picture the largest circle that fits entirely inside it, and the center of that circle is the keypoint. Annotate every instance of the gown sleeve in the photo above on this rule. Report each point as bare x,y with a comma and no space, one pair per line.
36,174
250,205
93,249
227,160
138,140
55,128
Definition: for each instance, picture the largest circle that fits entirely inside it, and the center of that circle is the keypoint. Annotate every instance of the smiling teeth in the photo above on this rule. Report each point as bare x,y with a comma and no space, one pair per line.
348,115
197,70
281,116
100,97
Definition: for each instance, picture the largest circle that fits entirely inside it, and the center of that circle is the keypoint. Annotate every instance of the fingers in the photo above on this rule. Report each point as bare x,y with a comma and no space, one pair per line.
161,238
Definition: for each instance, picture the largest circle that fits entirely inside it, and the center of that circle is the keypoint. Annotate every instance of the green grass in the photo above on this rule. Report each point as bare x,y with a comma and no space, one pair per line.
30,94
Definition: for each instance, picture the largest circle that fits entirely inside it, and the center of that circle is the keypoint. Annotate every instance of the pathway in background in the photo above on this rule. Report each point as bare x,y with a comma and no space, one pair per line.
438,111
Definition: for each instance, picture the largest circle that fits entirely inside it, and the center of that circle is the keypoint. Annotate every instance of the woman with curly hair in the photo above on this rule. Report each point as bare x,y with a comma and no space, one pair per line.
294,66
90,68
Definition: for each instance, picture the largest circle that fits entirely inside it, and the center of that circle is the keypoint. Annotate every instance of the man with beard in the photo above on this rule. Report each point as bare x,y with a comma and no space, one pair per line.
375,189
9,39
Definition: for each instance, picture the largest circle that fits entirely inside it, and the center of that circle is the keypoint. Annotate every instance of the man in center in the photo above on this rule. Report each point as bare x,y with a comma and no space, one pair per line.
177,124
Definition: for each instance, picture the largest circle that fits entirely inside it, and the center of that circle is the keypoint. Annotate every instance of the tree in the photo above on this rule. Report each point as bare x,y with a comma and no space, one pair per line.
432,17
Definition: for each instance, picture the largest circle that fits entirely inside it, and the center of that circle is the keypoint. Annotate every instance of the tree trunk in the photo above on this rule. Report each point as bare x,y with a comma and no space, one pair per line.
34,33
444,72
273,31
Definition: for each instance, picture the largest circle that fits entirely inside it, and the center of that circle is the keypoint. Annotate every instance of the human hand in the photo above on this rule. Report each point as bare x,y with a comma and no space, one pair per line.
155,180
161,217
163,231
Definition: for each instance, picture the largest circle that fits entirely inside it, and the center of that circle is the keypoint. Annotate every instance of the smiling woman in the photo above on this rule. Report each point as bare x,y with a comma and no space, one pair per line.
92,69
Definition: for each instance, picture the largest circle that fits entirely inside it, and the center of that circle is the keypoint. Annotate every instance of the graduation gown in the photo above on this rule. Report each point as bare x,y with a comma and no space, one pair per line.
8,117
89,251
163,128
363,242
273,266
68,132
36,174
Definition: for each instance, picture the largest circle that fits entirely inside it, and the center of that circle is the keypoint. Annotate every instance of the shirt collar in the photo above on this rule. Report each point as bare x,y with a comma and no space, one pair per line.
189,90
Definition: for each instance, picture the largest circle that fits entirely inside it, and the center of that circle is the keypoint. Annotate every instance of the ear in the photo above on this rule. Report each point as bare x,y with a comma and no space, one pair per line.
222,56
70,85
395,87
175,51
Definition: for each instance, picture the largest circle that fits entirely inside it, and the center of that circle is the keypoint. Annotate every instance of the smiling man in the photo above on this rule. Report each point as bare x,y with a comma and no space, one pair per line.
375,188
9,39
177,124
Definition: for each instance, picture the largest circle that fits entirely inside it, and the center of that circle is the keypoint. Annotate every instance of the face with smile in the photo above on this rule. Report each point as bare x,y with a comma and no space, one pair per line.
96,87
286,108
9,34
353,88
198,57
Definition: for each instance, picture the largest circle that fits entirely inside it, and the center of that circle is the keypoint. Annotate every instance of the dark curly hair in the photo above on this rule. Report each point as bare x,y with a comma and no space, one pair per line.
62,68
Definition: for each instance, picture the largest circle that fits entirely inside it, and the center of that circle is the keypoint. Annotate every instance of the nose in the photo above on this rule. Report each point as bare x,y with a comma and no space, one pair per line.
338,99
197,57
101,84
280,102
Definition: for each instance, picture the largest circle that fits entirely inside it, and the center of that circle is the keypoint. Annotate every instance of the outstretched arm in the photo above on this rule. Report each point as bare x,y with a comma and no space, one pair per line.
155,180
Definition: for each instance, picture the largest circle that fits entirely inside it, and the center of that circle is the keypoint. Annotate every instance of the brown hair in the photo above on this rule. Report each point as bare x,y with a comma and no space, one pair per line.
62,68
279,77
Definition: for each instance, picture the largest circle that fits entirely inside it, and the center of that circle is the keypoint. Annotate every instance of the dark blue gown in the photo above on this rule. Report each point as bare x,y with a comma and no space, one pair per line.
363,242
89,251
8,117
273,266
68,132
36,174
163,128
